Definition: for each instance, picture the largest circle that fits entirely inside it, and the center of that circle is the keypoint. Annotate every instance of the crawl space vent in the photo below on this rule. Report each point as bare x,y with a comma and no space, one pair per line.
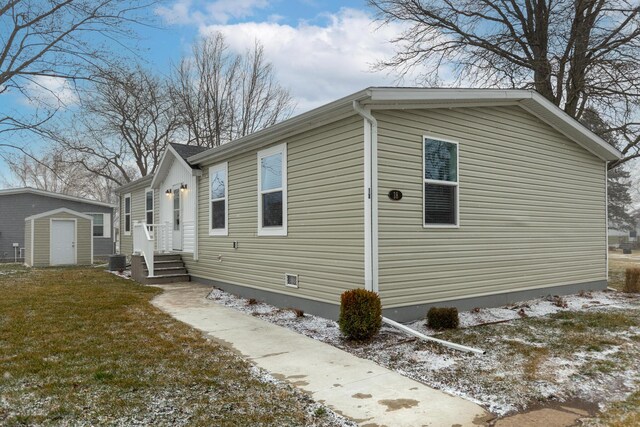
291,280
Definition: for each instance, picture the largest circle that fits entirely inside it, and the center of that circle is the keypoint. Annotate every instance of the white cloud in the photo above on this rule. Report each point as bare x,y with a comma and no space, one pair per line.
203,12
320,63
53,92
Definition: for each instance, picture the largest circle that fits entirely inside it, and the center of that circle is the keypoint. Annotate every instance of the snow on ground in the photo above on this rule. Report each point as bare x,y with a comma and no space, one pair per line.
504,380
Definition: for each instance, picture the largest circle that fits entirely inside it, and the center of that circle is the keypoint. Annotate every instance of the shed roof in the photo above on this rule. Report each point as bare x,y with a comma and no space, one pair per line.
29,190
57,211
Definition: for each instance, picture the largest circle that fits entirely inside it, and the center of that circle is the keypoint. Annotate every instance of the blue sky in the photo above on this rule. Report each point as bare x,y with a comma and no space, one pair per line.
320,50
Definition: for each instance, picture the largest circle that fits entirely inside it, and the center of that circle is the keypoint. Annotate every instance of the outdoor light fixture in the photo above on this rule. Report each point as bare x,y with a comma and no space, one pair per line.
183,187
168,192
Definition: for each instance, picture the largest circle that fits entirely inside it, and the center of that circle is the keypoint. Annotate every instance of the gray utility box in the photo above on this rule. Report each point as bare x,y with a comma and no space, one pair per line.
117,262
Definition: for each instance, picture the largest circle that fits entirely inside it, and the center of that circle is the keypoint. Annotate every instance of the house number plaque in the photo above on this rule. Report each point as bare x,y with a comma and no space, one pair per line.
395,194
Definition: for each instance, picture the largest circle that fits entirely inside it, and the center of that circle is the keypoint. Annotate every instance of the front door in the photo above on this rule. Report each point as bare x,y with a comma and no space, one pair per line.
63,242
177,224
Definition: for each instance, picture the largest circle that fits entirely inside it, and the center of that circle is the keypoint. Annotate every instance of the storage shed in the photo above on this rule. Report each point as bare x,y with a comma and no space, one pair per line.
58,237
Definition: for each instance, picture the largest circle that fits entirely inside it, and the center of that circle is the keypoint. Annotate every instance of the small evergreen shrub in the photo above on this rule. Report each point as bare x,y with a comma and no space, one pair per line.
360,314
632,280
443,318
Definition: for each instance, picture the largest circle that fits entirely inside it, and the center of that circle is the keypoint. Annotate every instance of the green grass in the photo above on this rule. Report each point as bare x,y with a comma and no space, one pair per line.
622,414
82,344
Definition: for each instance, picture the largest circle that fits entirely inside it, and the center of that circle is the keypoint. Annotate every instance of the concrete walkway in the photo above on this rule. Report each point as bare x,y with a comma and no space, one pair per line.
356,388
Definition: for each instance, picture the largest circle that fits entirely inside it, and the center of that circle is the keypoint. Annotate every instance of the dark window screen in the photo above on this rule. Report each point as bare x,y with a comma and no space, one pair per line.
217,214
272,209
439,204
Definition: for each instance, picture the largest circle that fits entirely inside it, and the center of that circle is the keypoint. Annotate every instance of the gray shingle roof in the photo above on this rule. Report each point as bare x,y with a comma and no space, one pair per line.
186,151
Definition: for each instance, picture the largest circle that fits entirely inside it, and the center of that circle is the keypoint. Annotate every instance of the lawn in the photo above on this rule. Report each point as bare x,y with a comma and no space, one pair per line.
84,347
579,351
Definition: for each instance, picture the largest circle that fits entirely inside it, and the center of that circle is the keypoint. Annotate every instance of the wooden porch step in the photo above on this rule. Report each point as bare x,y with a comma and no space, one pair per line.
166,264
167,257
168,278
167,270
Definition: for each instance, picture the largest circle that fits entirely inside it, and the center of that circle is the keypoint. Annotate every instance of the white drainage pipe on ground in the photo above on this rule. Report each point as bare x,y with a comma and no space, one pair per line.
424,337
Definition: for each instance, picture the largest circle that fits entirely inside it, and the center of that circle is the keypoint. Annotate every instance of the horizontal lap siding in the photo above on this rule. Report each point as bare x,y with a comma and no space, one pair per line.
42,239
137,214
532,207
325,241
27,243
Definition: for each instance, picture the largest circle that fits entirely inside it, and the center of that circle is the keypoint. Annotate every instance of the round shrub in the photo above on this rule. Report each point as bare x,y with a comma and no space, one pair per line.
632,280
443,318
360,314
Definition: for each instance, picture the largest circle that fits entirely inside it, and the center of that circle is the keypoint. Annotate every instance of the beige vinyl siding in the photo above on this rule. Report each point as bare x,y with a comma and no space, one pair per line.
325,241
27,243
532,207
42,238
137,214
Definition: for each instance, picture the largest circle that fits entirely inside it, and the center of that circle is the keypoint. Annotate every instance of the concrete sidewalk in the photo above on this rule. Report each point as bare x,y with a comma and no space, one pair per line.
356,388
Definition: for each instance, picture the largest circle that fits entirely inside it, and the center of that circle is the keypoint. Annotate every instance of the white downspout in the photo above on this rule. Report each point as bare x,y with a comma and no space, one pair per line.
371,223
370,198
424,337
606,219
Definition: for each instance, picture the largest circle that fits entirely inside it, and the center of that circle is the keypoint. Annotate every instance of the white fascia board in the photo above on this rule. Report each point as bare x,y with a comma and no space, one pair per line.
165,165
57,211
570,127
428,94
125,188
29,190
529,100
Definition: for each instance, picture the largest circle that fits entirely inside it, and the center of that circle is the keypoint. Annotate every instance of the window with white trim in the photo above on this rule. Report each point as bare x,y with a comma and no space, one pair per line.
127,214
440,183
218,205
272,191
101,224
148,208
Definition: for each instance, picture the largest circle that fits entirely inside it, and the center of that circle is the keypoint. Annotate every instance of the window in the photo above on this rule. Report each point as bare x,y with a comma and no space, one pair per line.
127,214
176,209
218,193
101,224
440,183
148,208
272,191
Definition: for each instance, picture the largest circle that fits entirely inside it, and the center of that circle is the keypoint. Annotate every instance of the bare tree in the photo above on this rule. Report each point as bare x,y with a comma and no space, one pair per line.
51,171
579,54
58,39
122,126
222,95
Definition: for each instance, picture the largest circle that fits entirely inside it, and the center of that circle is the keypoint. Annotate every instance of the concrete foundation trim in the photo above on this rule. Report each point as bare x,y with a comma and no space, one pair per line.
400,314
322,309
414,312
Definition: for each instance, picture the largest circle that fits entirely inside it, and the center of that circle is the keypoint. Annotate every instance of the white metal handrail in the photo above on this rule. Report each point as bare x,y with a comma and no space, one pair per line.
144,244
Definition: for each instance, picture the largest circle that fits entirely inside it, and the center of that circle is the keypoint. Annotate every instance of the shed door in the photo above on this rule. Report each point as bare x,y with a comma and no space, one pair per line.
63,242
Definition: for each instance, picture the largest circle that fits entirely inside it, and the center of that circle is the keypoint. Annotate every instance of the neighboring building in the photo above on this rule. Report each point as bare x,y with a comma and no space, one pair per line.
427,196
17,204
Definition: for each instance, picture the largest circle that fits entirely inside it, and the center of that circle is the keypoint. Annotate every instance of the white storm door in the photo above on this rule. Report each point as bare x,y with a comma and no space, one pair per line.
177,220
63,242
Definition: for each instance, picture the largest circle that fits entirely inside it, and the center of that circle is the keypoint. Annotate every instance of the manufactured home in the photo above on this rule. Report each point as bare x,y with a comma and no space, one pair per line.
464,197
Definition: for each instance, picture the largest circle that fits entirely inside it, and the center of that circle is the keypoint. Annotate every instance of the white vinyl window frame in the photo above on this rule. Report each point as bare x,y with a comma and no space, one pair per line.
148,211
106,224
455,184
280,230
214,169
127,215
